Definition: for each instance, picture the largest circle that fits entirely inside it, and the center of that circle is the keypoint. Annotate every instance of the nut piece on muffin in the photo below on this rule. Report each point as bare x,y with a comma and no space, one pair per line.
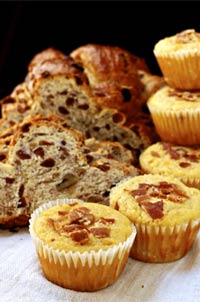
166,214
179,59
81,246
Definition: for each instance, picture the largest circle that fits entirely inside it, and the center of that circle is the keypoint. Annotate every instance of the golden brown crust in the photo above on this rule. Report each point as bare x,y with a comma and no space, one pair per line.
46,54
57,66
107,102
112,73
103,63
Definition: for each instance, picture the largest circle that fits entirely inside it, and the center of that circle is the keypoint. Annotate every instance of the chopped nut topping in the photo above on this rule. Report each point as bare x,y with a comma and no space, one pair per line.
187,36
87,219
142,198
74,216
82,216
163,190
184,165
80,236
62,213
79,222
184,95
178,153
83,210
72,227
154,209
100,232
106,220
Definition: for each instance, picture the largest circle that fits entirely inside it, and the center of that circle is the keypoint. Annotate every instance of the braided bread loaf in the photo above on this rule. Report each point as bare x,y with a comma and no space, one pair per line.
99,90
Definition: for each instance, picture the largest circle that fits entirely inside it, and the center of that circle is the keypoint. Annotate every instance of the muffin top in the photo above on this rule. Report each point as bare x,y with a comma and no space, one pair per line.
82,227
170,99
156,200
187,40
168,159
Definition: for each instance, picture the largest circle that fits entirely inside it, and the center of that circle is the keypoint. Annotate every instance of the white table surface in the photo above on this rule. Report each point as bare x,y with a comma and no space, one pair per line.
22,280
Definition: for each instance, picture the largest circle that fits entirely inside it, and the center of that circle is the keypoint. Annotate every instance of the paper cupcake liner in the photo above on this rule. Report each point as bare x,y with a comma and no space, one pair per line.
181,70
88,271
161,244
191,182
180,127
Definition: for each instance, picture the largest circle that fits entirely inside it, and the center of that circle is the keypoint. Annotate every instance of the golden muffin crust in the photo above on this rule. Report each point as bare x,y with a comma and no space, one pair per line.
178,58
168,159
82,227
176,115
186,40
156,200
170,99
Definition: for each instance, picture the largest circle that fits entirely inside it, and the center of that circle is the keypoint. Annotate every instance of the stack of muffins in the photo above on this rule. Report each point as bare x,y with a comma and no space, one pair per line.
154,217
164,203
175,110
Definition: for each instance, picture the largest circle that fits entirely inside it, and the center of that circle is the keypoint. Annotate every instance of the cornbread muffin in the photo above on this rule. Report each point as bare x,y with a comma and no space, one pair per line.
176,115
166,214
81,246
168,159
179,59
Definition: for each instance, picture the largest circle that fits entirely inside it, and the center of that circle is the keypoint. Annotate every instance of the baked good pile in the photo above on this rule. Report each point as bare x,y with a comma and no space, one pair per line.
74,128
159,202
104,157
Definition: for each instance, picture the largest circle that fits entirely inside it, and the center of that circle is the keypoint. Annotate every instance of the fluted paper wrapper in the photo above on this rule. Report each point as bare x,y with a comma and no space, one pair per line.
180,127
161,244
88,271
193,182
181,70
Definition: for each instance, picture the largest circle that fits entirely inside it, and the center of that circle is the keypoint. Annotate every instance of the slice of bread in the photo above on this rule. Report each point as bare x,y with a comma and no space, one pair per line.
46,161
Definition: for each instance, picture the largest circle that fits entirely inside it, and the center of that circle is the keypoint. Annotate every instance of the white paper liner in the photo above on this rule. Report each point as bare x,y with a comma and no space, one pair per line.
146,249
181,69
180,127
191,181
101,257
